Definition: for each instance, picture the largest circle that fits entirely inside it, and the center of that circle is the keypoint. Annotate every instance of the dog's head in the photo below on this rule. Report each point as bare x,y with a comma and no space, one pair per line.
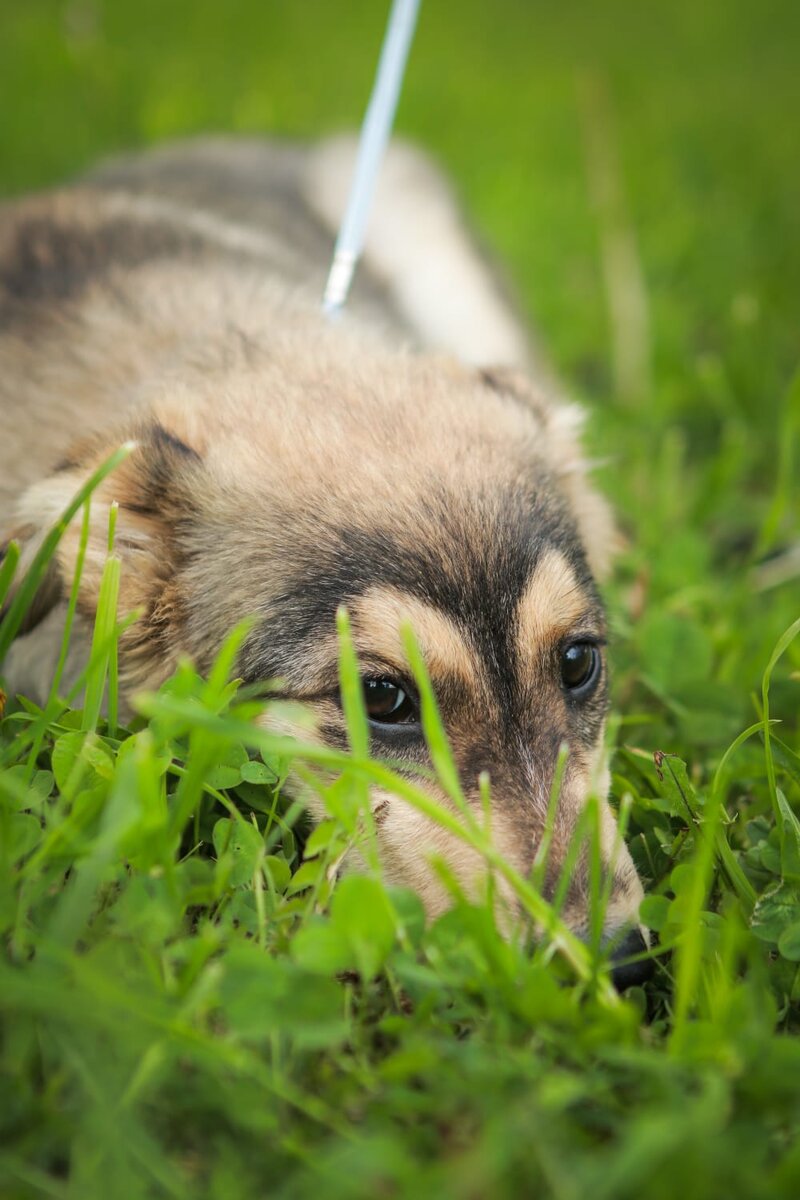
407,490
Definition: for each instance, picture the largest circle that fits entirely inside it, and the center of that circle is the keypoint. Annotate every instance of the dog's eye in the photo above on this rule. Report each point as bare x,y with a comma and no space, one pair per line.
580,667
388,703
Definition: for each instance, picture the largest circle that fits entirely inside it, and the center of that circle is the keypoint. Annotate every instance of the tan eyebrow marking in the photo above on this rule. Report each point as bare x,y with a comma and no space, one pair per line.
550,605
377,617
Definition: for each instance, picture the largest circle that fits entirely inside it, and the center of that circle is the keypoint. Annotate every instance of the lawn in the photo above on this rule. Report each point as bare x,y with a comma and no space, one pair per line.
188,1008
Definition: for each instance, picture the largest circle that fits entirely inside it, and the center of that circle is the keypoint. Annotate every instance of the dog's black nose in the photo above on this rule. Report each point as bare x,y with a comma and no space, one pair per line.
630,974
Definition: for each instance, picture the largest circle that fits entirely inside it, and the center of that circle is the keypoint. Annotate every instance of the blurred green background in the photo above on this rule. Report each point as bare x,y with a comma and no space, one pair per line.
699,102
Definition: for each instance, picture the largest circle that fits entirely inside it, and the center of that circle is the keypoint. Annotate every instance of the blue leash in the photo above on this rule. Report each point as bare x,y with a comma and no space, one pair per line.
371,147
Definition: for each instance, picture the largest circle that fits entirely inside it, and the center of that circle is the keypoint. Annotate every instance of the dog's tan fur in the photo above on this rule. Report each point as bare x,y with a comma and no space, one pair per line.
284,465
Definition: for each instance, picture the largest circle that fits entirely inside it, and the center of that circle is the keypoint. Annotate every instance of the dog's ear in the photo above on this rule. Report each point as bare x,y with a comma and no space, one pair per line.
153,489
562,423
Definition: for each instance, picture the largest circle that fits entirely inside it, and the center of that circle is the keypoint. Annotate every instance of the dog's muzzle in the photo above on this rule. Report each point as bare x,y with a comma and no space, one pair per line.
630,974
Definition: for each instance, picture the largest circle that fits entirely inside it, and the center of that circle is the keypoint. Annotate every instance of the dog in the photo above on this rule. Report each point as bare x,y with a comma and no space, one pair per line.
412,461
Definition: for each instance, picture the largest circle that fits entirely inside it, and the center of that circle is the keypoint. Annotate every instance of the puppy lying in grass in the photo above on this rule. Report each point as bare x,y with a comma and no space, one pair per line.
285,466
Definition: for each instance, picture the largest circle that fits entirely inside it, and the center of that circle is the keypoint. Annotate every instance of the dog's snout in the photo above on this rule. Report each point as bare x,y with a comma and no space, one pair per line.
624,973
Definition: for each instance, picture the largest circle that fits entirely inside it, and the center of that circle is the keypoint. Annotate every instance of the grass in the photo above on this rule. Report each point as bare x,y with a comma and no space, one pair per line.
188,1006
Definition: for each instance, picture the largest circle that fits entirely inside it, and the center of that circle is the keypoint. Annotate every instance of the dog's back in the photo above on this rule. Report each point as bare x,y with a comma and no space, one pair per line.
148,261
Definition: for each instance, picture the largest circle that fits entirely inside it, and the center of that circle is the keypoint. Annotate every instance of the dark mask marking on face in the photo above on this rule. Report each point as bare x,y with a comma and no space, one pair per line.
474,568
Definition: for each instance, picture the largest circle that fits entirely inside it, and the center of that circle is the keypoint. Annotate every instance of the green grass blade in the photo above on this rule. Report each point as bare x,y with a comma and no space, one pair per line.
8,568
351,692
782,645
433,728
690,949
539,869
736,876
21,602
73,601
103,642
350,688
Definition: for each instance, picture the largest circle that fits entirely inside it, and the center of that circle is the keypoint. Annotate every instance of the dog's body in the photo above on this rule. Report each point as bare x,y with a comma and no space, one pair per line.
286,466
